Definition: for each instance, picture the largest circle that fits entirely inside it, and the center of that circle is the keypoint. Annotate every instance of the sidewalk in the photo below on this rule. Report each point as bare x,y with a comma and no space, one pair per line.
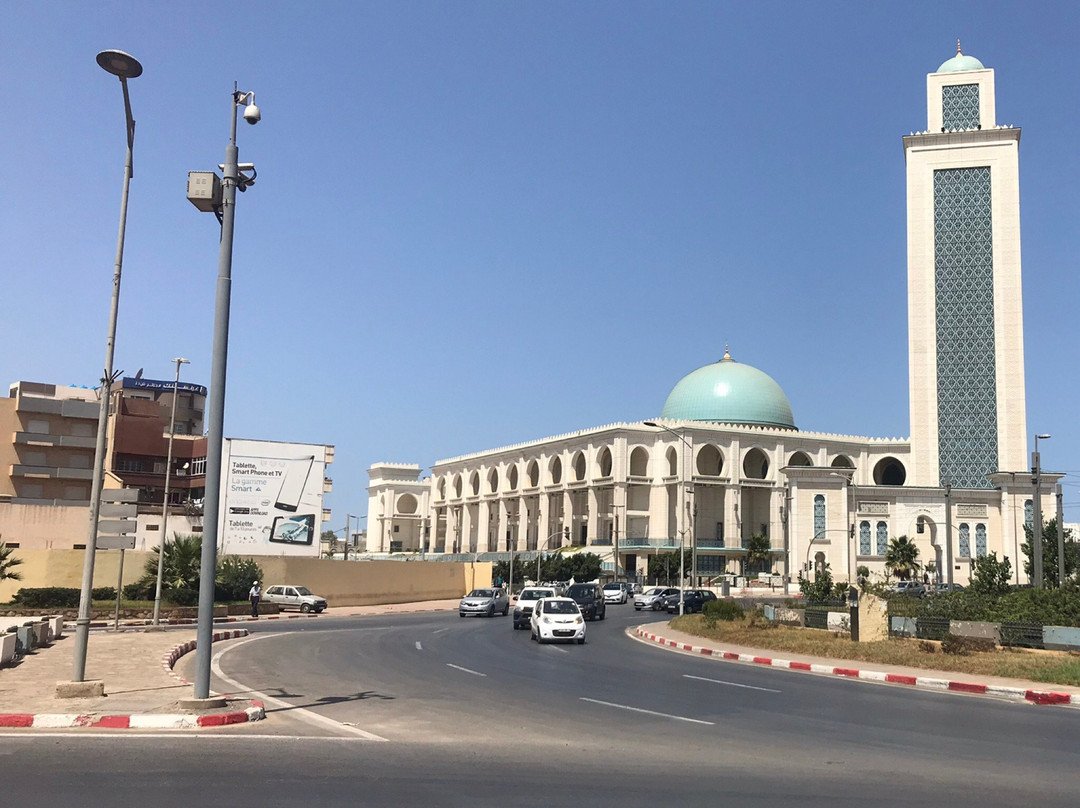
141,689
994,686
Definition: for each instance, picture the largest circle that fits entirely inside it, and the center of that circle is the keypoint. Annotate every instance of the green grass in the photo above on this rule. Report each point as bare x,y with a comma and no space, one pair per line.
1053,667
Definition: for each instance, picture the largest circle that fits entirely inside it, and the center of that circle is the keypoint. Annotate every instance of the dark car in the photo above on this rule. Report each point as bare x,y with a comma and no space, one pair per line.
590,599
694,601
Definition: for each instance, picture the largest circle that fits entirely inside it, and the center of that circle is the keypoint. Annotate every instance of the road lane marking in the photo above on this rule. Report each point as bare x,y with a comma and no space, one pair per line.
299,712
464,670
419,647
730,684
648,712
439,631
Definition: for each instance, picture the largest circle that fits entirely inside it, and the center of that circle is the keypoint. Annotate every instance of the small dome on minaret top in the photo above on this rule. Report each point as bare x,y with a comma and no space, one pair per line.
960,63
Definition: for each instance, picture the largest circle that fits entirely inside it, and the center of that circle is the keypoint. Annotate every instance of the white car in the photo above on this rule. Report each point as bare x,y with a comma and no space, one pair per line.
526,602
557,619
294,597
615,593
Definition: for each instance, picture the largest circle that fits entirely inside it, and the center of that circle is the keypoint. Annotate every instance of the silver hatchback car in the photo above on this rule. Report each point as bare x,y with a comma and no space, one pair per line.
485,602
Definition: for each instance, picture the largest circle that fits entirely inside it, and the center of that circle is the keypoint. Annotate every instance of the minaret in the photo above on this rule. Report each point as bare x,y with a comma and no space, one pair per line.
965,323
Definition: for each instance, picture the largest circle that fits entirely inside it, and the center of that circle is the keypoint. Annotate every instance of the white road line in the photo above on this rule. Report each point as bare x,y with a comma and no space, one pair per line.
464,670
299,712
419,647
439,631
647,712
730,684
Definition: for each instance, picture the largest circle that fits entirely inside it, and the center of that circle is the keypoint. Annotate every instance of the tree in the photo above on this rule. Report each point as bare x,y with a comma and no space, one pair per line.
902,558
8,562
1050,553
758,556
990,576
819,589
665,566
235,576
179,573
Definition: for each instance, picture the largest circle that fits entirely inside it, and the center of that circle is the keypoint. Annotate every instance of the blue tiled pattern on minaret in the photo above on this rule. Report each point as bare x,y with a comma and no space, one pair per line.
960,106
964,302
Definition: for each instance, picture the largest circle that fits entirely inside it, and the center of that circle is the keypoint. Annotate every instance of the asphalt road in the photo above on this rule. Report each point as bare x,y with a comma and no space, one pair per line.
432,710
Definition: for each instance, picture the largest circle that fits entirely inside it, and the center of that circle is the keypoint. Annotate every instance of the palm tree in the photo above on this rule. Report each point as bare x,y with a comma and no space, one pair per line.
7,562
758,553
183,560
902,558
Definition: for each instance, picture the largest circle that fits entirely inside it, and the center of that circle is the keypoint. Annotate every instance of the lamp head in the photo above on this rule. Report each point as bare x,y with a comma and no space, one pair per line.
1041,437
120,64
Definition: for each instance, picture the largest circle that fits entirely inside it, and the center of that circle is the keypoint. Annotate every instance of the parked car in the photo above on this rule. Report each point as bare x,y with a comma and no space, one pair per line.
590,598
294,597
944,588
485,602
694,600
650,598
615,592
526,602
557,619
912,589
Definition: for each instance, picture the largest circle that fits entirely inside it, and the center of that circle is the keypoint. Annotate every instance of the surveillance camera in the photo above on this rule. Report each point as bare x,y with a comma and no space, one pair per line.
252,114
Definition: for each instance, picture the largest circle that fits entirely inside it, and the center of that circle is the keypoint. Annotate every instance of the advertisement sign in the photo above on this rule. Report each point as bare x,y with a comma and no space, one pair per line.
162,386
272,498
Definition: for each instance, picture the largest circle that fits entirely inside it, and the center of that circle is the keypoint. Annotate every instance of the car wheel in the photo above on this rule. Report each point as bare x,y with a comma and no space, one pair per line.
305,607
318,611
580,640
656,607
491,611
506,610
637,608
461,614
603,614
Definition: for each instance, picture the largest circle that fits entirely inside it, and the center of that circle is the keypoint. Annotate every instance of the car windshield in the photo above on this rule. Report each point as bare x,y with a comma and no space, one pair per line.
577,590
656,590
536,594
303,590
612,587
560,607
481,593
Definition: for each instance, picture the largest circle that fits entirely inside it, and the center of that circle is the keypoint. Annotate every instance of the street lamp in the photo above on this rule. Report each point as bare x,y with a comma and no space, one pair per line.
853,495
682,518
540,549
232,179
165,508
124,67
1036,527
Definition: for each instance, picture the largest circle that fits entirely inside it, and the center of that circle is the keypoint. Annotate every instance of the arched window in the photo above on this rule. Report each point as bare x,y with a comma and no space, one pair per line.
493,481
457,486
556,471
406,504
639,462
474,483
512,478
882,538
604,462
799,459
709,461
965,540
819,516
578,467
1029,513
534,474
756,464
980,540
673,463
864,538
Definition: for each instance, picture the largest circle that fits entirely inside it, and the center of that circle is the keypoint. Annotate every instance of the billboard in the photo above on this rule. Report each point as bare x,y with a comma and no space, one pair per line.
272,498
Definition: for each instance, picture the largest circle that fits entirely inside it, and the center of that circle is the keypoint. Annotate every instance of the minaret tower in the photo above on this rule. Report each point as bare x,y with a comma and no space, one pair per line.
965,322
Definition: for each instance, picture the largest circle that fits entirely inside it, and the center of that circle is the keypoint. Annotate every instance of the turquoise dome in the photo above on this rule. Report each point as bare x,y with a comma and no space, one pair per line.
731,393
960,63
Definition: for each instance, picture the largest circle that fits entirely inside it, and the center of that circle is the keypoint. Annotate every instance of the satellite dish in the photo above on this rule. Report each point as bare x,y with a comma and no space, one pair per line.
139,374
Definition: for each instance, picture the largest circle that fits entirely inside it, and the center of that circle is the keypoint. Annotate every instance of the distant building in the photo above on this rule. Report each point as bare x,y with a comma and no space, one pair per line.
725,461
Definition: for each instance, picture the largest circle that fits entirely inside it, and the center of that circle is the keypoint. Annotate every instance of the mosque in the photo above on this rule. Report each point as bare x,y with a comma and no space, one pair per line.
725,462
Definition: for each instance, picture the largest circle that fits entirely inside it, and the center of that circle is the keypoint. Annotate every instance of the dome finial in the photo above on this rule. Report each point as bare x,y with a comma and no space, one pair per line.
958,53
727,354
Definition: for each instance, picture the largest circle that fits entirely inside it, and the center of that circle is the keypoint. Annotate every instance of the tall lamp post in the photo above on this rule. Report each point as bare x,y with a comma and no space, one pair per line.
124,67
232,178
682,518
1036,527
165,508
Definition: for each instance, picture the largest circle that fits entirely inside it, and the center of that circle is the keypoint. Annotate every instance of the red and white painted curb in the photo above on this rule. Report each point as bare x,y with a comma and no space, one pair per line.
255,712
1014,693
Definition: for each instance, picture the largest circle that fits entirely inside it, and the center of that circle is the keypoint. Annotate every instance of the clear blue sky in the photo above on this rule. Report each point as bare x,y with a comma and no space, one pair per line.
481,223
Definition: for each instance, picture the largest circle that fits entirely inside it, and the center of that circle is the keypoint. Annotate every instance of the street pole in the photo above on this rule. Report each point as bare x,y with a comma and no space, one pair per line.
683,508
215,433
1036,527
165,508
948,537
1060,538
786,514
124,67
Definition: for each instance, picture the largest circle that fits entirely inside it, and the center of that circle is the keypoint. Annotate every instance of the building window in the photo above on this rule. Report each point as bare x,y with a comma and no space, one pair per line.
864,538
198,466
397,528
131,466
965,540
819,516
720,534
882,538
980,540
196,528
12,545
960,106
152,528
38,427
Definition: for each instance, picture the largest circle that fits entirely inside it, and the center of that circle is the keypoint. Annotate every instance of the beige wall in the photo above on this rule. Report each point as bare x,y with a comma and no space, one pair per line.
342,583
44,527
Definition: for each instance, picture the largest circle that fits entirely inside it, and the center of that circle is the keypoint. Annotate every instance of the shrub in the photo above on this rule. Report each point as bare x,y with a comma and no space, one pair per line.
721,609
962,646
234,577
140,590
103,593
47,597
927,647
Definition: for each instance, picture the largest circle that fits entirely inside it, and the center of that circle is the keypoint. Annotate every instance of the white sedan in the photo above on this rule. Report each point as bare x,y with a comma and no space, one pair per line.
557,619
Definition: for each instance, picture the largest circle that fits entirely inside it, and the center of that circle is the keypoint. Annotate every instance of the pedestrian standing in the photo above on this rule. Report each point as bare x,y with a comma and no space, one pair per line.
255,595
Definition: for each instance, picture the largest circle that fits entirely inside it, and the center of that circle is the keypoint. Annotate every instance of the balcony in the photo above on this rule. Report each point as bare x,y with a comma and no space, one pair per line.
631,543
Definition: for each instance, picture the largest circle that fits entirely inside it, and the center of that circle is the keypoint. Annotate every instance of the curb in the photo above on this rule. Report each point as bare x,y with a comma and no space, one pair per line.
256,712
1013,693
190,621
